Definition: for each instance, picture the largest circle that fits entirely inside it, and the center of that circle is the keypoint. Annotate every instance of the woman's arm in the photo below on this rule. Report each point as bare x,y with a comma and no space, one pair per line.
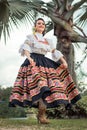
28,56
64,63
59,56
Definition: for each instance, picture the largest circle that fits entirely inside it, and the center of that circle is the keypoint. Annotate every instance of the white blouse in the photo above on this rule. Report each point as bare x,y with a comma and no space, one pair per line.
33,45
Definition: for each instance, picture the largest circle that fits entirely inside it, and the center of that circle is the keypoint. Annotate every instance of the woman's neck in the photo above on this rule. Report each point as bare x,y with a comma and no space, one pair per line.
39,34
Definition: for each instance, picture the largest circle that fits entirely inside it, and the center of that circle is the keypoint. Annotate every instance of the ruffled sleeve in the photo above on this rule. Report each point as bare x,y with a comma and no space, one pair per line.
50,44
26,45
56,54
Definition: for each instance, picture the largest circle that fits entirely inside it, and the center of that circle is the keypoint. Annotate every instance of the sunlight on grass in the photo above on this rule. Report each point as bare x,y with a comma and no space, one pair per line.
55,124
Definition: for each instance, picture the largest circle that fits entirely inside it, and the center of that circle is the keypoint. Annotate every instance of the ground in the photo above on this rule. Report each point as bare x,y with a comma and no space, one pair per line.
32,124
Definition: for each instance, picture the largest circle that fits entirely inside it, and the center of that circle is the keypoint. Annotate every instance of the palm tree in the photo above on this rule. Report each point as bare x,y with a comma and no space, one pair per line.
12,13
61,14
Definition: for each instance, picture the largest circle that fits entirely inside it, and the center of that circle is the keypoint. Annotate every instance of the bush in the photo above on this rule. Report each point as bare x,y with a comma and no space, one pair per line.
79,110
82,106
6,111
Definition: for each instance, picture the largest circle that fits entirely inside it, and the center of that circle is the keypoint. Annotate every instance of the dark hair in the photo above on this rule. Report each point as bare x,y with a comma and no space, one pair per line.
38,20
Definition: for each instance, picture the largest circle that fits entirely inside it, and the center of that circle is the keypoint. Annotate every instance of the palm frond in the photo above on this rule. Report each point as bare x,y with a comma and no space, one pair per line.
1,28
49,26
4,16
75,7
4,12
78,5
34,3
12,13
18,9
57,3
50,4
77,45
82,19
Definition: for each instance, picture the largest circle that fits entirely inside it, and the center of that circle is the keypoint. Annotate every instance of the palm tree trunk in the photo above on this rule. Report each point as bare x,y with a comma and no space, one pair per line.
66,47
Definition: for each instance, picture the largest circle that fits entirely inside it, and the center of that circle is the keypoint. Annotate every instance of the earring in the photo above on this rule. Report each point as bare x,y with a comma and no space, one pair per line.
34,30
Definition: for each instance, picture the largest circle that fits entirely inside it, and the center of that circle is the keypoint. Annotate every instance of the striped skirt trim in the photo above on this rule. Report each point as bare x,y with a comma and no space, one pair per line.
46,80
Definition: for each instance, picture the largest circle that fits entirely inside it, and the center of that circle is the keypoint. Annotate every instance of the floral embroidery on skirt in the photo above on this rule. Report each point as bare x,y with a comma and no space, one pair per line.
46,80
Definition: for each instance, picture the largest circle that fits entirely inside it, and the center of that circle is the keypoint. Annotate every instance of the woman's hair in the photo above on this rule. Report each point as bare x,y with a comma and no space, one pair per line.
36,22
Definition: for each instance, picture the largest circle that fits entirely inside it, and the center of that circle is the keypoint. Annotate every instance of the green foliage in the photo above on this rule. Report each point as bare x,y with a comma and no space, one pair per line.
82,104
15,12
58,112
55,124
5,110
79,110
5,93
85,93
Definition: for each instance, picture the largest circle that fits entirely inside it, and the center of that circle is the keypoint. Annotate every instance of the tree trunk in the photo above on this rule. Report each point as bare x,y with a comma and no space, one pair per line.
66,47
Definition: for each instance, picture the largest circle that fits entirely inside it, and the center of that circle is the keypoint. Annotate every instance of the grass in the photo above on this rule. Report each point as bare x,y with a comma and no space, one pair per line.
31,124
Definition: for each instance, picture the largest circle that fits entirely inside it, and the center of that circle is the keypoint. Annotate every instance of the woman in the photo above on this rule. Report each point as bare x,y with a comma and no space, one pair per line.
42,82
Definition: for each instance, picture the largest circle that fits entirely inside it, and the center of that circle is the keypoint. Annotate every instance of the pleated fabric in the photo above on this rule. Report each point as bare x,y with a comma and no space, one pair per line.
45,80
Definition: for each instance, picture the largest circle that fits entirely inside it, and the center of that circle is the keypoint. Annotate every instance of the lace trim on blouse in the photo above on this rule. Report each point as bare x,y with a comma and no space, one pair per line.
33,44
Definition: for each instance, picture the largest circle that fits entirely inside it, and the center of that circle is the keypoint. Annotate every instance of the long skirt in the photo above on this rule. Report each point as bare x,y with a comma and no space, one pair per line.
45,80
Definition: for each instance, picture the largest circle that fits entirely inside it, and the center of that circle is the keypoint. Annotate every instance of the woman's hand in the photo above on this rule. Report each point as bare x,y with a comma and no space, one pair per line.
29,58
64,65
32,62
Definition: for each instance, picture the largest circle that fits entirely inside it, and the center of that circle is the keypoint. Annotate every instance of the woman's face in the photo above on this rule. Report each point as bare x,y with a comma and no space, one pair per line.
40,26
